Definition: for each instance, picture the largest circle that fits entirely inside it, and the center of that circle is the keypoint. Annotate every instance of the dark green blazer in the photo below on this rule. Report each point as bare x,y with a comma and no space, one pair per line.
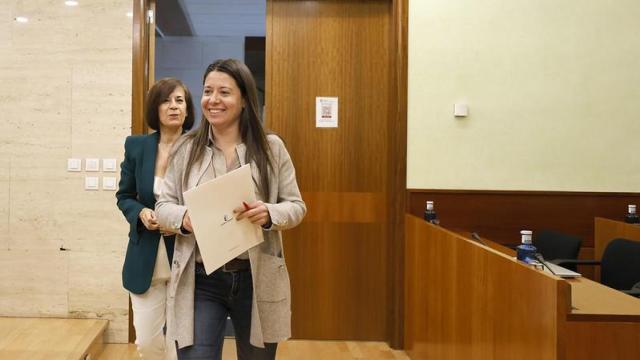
135,192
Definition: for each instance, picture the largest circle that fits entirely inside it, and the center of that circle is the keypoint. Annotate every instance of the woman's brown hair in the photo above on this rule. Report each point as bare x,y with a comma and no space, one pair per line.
251,131
158,93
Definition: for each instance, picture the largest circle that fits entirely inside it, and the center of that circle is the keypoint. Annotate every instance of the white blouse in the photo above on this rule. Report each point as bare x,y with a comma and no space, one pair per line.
162,271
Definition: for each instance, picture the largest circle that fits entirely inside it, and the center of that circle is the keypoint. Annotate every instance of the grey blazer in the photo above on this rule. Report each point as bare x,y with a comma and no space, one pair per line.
271,309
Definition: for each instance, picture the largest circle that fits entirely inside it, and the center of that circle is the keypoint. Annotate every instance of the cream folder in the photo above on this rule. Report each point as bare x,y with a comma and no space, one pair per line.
219,235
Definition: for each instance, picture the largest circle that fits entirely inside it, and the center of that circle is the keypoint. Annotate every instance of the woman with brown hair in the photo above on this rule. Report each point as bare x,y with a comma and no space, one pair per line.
253,289
146,270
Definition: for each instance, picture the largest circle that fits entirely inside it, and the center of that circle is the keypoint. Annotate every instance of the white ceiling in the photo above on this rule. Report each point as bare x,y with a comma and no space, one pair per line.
226,17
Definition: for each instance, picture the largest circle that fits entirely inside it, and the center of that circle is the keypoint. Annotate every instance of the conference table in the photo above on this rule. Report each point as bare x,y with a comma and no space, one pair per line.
466,299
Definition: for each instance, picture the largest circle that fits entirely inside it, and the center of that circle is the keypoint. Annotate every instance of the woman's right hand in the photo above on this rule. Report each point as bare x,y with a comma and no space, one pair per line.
186,223
148,218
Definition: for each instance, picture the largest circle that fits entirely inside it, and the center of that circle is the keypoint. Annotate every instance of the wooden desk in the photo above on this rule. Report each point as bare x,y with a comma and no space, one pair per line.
590,300
464,300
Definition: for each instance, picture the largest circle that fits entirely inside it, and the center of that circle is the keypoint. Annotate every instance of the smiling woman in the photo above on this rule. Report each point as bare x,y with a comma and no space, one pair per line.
252,289
147,263
221,101
169,105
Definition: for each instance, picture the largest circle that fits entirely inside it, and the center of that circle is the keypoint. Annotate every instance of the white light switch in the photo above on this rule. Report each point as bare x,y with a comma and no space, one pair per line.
91,183
460,110
108,183
74,164
109,165
92,165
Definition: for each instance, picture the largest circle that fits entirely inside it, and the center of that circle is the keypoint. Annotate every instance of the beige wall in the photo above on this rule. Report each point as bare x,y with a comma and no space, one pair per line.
552,87
65,92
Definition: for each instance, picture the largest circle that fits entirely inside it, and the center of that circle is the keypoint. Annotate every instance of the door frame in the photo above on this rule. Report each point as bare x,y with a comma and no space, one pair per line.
397,172
143,49
142,76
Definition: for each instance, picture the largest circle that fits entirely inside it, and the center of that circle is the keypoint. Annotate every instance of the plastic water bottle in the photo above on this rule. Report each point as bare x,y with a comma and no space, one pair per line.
430,214
526,251
631,217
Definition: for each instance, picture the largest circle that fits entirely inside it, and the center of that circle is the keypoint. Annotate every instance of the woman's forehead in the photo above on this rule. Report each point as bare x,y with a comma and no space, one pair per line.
218,78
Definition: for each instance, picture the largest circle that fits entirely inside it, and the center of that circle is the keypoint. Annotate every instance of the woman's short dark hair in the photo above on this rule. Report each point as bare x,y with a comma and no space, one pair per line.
158,93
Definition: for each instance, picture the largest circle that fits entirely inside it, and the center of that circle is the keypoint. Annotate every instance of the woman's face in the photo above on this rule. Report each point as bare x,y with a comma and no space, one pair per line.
173,110
222,100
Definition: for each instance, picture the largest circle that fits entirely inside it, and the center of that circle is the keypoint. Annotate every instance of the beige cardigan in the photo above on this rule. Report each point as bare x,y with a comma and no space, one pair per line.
271,309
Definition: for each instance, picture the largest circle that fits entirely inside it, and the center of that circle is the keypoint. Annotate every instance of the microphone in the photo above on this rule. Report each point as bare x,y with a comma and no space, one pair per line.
539,257
477,238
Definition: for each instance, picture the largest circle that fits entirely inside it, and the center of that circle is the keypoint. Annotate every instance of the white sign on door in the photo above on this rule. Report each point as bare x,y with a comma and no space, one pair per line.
326,112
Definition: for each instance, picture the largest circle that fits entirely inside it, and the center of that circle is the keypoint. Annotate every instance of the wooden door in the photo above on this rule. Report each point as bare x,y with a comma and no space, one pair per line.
339,258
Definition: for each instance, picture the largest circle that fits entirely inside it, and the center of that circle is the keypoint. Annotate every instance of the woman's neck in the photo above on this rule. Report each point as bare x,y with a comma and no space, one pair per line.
168,136
224,138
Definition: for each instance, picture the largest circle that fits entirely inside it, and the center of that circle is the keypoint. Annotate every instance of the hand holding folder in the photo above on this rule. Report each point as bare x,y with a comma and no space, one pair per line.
220,236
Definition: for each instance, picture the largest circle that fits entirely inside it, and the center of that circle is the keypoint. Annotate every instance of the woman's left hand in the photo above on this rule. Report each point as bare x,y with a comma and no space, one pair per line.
256,212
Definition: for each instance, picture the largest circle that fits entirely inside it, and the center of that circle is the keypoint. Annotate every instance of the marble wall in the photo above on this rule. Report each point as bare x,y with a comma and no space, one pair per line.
65,92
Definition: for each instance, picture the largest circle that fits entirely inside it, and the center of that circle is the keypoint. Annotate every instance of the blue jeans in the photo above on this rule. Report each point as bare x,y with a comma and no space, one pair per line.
217,296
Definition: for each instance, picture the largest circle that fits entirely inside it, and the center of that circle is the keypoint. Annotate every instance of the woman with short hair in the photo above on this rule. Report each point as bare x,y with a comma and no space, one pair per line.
146,270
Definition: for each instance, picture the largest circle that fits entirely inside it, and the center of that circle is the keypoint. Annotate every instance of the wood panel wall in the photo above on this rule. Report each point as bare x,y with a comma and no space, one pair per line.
338,257
500,215
602,340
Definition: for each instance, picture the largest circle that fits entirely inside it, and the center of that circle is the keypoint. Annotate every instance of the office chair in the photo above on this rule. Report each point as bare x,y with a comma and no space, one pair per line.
554,245
619,267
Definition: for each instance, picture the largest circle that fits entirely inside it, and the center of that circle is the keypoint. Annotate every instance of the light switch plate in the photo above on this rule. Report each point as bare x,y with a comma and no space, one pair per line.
109,165
91,183
108,183
460,110
74,164
92,165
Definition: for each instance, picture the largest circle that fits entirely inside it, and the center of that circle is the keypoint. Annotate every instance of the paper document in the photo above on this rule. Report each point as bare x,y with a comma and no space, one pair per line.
219,235
560,271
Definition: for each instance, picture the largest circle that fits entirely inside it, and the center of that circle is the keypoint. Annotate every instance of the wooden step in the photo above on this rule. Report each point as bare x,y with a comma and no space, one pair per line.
51,339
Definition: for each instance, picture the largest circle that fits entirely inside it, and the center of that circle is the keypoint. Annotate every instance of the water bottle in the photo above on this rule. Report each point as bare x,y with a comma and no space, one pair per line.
632,217
430,214
526,251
